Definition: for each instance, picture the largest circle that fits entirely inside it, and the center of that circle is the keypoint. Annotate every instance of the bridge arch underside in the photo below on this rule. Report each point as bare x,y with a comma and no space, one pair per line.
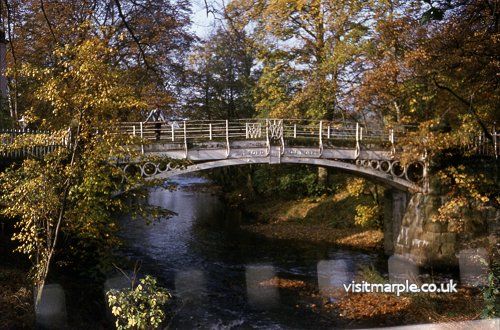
382,177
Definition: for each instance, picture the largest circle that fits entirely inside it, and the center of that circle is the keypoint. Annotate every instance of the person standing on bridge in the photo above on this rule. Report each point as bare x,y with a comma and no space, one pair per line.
157,116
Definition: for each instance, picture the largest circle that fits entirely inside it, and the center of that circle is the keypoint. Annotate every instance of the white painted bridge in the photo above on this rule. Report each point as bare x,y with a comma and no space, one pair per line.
369,151
347,146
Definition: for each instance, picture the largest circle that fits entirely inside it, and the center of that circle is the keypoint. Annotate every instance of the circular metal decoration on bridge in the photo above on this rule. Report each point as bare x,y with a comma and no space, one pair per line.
397,169
375,164
163,166
385,166
148,169
415,172
131,170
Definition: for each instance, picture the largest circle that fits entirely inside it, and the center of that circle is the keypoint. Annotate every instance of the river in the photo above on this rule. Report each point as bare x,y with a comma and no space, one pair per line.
218,271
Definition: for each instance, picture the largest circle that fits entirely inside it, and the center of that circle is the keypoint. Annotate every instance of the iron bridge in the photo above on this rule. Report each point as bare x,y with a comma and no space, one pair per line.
366,151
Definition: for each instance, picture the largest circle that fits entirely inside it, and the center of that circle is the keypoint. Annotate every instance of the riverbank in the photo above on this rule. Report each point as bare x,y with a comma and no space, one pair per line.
326,219
16,298
16,295
331,220
353,310
354,238
85,306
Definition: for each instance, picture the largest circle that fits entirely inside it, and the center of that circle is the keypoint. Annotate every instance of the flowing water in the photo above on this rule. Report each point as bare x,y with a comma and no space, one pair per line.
218,271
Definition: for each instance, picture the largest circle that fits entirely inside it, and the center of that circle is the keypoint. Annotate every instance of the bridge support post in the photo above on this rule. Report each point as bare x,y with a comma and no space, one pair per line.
142,137
395,203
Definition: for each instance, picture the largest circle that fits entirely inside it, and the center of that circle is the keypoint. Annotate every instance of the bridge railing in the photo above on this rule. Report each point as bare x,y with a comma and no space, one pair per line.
480,144
312,131
291,132
12,145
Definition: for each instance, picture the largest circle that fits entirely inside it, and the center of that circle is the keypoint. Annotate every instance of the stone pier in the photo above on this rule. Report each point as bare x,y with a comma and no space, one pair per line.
410,232
422,240
395,203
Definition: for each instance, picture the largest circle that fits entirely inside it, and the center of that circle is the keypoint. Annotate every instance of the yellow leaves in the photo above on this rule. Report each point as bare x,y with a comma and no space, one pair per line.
83,79
468,195
12,141
355,186
139,307
311,39
366,215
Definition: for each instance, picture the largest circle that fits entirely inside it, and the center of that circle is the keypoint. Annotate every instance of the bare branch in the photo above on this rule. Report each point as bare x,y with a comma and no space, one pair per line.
13,104
132,34
42,6
471,109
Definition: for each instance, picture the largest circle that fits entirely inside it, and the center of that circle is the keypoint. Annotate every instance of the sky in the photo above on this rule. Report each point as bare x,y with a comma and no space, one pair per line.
203,23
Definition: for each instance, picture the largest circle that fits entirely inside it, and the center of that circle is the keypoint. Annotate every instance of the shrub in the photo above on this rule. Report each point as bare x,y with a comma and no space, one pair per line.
140,307
366,215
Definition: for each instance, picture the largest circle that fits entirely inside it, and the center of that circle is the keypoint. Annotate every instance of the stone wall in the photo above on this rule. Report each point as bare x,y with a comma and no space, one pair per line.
420,239
409,231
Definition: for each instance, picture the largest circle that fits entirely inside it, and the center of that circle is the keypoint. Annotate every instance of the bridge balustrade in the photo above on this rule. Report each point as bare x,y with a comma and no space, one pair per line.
295,131
45,142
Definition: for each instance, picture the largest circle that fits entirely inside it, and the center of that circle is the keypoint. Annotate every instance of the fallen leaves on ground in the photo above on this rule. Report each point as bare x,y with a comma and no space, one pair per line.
368,305
320,233
464,305
282,283
16,300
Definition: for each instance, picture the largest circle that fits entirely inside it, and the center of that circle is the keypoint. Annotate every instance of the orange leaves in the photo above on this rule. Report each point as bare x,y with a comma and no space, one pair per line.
282,283
369,305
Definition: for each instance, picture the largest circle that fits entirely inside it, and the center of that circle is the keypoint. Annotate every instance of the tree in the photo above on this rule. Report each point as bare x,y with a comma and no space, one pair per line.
222,77
435,63
69,192
150,39
310,52
441,70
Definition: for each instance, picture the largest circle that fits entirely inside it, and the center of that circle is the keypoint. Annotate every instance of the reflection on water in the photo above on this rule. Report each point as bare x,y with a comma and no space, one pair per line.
218,271
332,274
261,294
190,285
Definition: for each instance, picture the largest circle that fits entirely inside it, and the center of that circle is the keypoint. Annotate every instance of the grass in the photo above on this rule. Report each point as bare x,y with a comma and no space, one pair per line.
337,211
325,219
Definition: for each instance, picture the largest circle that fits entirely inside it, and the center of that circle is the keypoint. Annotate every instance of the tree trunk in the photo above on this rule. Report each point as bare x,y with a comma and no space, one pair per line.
322,176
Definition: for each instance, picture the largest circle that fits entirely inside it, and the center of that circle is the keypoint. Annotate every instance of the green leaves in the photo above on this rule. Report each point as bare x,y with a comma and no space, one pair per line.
306,49
221,77
491,294
141,307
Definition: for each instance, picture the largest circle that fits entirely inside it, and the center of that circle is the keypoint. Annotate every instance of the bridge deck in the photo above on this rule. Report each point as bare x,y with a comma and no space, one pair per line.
366,150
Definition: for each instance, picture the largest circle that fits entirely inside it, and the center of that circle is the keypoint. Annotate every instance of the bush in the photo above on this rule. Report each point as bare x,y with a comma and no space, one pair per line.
367,215
289,181
140,307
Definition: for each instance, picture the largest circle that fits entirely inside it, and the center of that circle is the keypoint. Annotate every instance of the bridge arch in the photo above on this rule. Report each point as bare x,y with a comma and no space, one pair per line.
387,179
